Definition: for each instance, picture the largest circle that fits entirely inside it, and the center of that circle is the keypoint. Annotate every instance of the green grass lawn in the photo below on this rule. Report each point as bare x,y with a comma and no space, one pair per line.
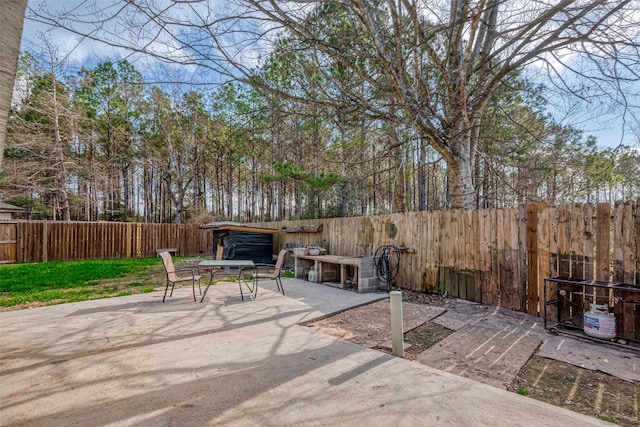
30,285
24,285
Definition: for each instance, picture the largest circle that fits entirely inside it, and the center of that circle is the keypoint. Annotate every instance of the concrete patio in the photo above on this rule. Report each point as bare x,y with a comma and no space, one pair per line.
135,361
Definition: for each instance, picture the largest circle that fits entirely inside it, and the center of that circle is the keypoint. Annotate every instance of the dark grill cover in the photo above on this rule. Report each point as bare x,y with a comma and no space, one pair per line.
257,247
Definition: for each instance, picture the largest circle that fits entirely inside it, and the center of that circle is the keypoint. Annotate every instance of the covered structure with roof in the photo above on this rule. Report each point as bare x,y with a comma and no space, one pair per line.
233,240
8,211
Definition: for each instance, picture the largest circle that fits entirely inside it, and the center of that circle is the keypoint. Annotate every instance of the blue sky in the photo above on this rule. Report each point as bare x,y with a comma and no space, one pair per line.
609,128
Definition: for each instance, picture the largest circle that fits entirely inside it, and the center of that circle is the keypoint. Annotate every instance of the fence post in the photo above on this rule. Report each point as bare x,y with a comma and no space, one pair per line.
397,337
532,259
45,239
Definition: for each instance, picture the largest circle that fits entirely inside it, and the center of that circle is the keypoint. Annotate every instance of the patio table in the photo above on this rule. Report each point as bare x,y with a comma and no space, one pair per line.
240,264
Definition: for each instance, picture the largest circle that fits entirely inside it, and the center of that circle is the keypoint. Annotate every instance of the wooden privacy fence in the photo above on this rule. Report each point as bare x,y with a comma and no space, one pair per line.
37,241
8,241
496,257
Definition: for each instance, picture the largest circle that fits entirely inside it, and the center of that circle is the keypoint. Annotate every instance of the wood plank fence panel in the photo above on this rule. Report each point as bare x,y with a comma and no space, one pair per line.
544,243
618,242
522,247
553,240
490,256
506,259
588,246
495,260
39,241
436,262
628,244
564,257
8,242
484,256
577,241
603,247
456,258
576,258
532,259
411,273
637,231
477,251
445,253
624,263
430,258
453,254
454,250
470,252
463,260
486,243
500,234
589,242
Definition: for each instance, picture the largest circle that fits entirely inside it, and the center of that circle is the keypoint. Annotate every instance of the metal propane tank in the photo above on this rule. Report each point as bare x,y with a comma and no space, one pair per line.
599,323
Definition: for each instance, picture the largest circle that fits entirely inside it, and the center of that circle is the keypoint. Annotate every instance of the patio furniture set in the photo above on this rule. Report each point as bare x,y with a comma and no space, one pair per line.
326,268
193,274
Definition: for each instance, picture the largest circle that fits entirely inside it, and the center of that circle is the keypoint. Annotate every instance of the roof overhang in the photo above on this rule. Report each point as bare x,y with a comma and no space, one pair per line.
228,226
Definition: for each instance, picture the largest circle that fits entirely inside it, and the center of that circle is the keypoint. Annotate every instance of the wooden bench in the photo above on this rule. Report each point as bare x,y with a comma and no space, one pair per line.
365,275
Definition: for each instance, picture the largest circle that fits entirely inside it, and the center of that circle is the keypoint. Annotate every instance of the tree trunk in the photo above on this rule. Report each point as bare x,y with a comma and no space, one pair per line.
422,178
399,188
343,187
461,190
62,171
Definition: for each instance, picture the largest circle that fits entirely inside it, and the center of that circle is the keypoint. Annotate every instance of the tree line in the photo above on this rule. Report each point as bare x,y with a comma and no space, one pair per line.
357,109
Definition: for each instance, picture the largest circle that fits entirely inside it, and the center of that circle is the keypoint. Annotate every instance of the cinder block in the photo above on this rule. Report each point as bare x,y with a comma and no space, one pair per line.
368,263
368,273
368,285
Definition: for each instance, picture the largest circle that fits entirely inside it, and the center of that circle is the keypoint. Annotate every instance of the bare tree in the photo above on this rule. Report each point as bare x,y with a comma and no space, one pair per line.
177,134
61,177
439,62
41,128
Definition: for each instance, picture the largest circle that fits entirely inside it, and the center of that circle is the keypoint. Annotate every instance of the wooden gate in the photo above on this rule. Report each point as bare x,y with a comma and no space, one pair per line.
8,241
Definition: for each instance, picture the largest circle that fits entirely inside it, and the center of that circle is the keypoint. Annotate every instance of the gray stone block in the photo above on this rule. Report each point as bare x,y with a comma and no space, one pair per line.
368,285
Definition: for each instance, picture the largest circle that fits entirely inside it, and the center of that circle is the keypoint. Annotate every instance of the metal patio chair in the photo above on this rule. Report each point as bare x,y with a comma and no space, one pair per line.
268,271
173,278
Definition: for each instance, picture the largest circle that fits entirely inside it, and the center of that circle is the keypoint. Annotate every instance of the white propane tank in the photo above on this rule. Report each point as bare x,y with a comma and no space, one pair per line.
312,275
599,323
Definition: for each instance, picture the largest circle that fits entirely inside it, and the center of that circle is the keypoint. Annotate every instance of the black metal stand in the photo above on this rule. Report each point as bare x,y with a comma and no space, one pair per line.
568,287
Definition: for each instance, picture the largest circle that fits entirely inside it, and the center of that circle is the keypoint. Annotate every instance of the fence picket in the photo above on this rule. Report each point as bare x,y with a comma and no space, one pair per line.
637,222
628,243
532,259
618,242
522,258
564,257
543,259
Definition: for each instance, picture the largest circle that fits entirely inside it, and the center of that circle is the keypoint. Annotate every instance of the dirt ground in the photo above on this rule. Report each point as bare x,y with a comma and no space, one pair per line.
588,392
